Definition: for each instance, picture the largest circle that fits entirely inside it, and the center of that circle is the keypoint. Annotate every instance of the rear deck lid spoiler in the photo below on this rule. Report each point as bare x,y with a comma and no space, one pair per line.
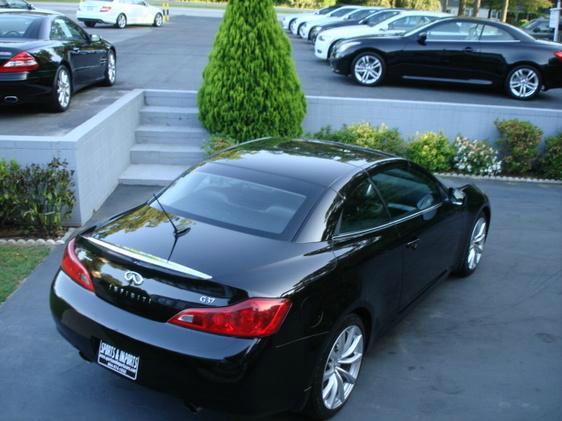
149,258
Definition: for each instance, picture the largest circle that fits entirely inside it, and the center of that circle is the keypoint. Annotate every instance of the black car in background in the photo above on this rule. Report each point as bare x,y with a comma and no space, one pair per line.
15,4
45,58
455,50
540,29
356,18
257,280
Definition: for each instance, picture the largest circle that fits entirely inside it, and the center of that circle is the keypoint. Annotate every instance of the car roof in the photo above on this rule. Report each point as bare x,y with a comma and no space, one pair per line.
313,161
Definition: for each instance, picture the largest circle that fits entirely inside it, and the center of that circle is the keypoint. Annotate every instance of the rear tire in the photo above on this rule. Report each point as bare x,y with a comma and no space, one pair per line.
474,247
61,95
110,69
90,24
121,21
158,19
368,69
331,368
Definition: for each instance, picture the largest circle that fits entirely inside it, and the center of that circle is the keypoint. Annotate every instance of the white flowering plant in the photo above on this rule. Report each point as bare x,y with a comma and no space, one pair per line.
476,157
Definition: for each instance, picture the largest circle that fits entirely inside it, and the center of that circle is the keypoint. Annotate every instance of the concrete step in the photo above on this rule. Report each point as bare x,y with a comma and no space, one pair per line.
170,98
155,153
170,116
171,135
151,175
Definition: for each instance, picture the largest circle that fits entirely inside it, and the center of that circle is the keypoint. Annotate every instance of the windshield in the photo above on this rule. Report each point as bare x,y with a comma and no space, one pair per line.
19,26
342,12
360,14
240,199
379,17
420,29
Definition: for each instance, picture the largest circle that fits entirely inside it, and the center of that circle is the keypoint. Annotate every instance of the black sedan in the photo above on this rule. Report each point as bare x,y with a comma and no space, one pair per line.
455,50
45,58
257,280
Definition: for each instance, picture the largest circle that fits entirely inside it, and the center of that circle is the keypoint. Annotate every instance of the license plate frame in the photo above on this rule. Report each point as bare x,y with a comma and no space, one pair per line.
118,360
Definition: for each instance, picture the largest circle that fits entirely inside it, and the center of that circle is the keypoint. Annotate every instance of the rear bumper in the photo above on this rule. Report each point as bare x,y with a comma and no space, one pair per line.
236,375
97,17
552,74
25,88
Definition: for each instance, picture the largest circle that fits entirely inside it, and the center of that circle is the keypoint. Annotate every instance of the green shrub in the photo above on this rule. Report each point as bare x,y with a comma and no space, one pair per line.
250,86
217,143
39,199
476,157
381,138
432,151
519,145
551,164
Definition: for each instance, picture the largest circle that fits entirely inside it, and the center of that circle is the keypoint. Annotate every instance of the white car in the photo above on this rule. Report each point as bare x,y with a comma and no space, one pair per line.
395,25
21,5
289,20
304,30
339,12
119,13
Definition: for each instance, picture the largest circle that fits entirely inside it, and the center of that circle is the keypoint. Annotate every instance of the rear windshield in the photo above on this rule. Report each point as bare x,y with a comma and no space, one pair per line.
241,199
19,26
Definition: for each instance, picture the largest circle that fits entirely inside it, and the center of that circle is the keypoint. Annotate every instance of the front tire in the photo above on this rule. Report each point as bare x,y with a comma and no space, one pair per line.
110,69
523,82
61,96
368,69
474,249
337,369
158,19
121,21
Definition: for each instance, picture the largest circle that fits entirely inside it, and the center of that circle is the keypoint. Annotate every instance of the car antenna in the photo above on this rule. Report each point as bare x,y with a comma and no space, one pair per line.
177,232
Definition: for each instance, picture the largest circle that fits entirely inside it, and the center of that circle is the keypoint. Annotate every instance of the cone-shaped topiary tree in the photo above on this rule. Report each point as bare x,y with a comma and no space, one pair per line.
250,86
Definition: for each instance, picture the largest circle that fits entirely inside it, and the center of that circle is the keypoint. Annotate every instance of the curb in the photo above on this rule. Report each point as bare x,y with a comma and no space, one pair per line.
502,178
37,242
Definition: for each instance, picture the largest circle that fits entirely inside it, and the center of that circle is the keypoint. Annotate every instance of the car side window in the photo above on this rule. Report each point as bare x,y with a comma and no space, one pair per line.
76,32
455,31
493,33
362,210
406,190
60,31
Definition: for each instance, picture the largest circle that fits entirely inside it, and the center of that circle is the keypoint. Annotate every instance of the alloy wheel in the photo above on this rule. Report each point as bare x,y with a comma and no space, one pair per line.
292,26
63,89
111,68
477,241
121,21
368,70
158,20
524,83
342,368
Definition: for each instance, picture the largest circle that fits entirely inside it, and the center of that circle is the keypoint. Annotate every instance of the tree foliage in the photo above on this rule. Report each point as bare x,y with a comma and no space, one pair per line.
250,86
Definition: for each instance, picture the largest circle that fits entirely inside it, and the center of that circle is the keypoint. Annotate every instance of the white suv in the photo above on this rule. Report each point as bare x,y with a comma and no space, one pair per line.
119,13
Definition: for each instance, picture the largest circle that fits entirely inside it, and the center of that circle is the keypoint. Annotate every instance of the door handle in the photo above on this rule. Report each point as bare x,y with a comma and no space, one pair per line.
413,244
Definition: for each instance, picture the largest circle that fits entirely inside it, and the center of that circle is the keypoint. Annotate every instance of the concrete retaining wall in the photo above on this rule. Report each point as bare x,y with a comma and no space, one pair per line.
98,152
410,117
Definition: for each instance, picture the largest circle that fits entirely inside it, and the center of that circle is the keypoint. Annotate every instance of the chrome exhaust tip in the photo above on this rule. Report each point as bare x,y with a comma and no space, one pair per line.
11,99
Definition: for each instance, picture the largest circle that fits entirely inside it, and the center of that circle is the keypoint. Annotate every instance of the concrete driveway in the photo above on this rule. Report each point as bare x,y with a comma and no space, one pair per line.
484,348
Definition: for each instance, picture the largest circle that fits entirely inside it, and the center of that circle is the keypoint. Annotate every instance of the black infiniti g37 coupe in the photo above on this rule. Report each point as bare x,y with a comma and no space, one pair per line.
256,281
466,51
45,58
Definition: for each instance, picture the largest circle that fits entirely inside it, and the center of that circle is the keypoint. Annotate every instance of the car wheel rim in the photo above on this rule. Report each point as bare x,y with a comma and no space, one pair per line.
63,89
122,21
368,70
111,67
292,26
342,367
158,20
301,32
524,83
477,241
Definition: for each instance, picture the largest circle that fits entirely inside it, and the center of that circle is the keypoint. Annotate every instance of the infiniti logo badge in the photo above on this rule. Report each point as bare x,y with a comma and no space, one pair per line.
134,278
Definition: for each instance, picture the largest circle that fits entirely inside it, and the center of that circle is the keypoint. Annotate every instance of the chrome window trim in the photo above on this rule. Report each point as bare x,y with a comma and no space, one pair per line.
388,224
149,258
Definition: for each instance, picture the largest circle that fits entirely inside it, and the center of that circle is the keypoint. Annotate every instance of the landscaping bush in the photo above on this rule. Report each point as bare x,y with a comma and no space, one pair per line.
432,151
250,86
382,137
475,157
519,145
36,199
217,143
551,164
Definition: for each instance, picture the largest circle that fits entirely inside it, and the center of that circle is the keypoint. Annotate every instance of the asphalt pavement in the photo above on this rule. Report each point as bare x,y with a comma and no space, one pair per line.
484,348
174,56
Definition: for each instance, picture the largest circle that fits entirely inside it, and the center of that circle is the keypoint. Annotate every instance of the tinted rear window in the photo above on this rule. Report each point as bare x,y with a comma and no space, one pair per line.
19,26
241,199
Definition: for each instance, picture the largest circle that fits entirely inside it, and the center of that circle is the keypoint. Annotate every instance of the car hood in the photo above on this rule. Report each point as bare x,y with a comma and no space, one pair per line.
234,258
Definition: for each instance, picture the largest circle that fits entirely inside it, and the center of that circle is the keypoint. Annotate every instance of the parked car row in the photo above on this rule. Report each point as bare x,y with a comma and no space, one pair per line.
396,44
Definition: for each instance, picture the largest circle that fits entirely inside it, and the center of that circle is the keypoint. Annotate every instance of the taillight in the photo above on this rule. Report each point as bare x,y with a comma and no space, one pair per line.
74,268
558,55
21,62
255,317
105,9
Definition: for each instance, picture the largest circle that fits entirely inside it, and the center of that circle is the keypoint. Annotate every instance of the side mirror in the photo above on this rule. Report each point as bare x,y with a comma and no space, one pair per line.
456,196
422,38
30,7
95,38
